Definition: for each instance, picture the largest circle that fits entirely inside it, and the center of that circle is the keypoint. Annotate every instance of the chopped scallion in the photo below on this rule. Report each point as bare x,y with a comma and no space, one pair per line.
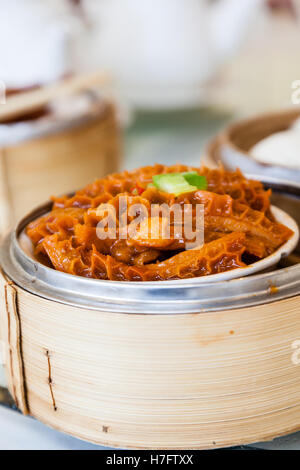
179,183
196,180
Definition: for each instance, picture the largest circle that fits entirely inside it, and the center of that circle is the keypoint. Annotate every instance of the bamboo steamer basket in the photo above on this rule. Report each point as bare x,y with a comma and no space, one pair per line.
56,156
232,146
167,365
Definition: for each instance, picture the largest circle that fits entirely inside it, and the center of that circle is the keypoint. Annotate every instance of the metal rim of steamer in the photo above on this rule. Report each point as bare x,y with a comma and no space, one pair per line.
165,297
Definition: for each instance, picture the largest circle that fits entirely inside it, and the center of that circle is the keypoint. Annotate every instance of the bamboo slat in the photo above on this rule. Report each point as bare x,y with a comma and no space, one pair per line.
12,350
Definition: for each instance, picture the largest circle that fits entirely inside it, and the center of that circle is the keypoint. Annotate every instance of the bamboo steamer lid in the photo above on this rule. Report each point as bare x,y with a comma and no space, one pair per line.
153,365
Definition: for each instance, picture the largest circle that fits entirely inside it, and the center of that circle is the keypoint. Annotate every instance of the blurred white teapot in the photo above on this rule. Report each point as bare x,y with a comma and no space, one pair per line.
36,41
164,51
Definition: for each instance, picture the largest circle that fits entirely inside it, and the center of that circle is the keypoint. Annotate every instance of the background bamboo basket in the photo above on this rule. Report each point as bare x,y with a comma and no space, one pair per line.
56,164
183,377
55,156
232,146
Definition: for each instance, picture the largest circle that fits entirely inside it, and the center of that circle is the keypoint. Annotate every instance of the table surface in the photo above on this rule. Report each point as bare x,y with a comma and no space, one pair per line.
172,137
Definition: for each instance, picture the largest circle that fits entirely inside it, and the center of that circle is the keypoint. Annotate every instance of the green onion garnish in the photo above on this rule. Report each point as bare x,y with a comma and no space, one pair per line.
195,180
179,183
173,183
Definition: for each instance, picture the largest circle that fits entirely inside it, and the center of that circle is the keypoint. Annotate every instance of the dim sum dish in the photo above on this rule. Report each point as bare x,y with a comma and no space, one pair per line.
171,338
241,231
